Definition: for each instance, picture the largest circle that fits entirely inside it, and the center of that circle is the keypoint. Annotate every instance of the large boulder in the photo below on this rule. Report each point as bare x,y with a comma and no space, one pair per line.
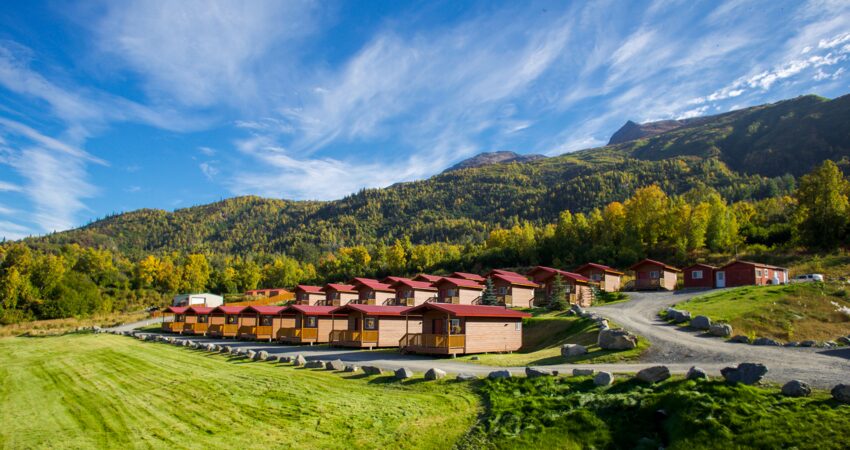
808,344
272,358
466,377
740,339
582,372
299,360
603,379
653,374
696,373
336,364
226,349
403,373
745,373
351,368
616,340
496,374
286,359
677,315
261,355
434,374
720,329
372,370
844,340
796,388
533,372
315,364
766,341
701,323
568,350
577,310
252,355
841,393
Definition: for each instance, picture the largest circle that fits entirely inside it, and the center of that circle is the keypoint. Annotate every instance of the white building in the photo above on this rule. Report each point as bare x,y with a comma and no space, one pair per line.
205,299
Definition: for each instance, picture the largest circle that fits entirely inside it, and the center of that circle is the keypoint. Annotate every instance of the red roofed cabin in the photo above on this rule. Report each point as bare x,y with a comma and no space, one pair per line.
261,322
606,277
370,326
467,276
309,324
512,289
427,278
337,294
654,275
577,286
224,321
173,318
458,291
459,329
309,295
698,276
265,292
197,320
746,273
373,292
413,293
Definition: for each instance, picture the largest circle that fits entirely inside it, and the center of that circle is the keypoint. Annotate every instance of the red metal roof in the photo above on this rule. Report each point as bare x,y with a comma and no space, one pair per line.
551,272
468,276
601,267
265,310
308,310
424,285
426,277
470,310
176,309
506,272
372,310
228,309
372,284
754,264
339,287
515,279
459,282
654,262
309,289
200,309
707,266
392,279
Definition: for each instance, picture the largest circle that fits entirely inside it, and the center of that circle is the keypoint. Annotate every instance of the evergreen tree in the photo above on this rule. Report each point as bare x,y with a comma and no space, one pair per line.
558,296
489,295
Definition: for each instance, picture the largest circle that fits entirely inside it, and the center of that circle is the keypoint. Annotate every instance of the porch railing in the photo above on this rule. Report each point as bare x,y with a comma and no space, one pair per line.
173,327
197,328
354,336
424,340
299,333
230,329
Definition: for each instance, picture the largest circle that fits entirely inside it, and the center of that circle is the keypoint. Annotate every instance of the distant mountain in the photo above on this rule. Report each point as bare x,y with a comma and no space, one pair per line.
487,158
746,154
632,131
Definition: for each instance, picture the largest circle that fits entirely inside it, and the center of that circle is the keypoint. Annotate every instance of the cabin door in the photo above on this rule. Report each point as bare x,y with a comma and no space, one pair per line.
720,279
356,324
437,326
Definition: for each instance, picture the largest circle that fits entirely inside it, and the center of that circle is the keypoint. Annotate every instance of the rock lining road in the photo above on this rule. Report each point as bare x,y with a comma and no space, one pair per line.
671,346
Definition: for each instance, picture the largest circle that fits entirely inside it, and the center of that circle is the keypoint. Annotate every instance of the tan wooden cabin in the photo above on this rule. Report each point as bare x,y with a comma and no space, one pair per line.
512,289
467,276
605,277
309,295
413,293
427,278
337,294
261,322
458,291
309,324
577,286
197,320
373,292
174,318
224,321
449,329
371,326
654,275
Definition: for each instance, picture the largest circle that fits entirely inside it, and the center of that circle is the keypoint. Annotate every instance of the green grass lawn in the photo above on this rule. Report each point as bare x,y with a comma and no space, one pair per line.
104,391
792,312
572,413
543,336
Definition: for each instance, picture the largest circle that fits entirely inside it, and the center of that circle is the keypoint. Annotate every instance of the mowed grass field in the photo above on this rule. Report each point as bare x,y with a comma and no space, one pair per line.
105,391
793,312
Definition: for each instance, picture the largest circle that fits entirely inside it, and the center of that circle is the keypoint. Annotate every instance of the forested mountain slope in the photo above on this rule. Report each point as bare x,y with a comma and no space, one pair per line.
743,154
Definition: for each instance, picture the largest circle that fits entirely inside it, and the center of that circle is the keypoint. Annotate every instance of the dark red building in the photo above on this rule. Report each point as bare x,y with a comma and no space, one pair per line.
747,273
699,276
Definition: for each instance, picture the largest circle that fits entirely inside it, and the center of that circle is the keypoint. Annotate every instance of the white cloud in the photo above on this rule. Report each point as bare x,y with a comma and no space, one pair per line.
209,169
13,231
5,186
207,151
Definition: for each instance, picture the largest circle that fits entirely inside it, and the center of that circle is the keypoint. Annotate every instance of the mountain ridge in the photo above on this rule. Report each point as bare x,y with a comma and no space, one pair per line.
487,158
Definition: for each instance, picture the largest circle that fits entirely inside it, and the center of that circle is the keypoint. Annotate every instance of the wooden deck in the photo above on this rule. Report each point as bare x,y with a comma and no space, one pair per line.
439,344
347,338
195,328
298,335
173,327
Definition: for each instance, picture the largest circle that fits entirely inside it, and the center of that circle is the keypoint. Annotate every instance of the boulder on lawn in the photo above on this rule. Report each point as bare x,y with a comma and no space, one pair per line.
532,372
841,393
372,370
796,388
582,372
603,379
740,339
808,344
496,374
616,340
653,374
315,364
351,368
677,315
720,329
696,373
252,355
577,310
261,355
701,323
403,373
335,365
745,373
466,377
434,374
272,358
766,341
226,349
299,360
286,359
568,350
791,344
187,343
844,340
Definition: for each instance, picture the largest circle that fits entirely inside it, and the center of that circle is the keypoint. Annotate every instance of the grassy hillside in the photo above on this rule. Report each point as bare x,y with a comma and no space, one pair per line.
743,154
100,391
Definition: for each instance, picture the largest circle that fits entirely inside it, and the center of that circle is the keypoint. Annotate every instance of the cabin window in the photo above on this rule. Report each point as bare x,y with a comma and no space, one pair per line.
518,326
370,295
596,277
503,290
653,274
301,296
758,273
203,319
273,293
370,323
696,274
180,318
311,322
232,320
334,295
454,326
266,321
451,292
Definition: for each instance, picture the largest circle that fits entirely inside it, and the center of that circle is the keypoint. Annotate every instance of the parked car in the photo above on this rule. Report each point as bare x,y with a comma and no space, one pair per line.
809,277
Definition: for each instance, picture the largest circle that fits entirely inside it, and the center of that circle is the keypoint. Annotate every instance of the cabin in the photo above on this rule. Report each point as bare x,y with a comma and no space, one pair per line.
337,294
458,291
373,292
577,286
391,279
197,320
449,329
173,319
309,295
698,276
202,299
467,276
427,278
606,278
371,326
260,322
512,289
273,292
309,324
654,275
413,293
747,273
224,321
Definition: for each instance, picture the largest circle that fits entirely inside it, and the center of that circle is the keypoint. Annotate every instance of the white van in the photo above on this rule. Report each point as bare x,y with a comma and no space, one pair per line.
809,277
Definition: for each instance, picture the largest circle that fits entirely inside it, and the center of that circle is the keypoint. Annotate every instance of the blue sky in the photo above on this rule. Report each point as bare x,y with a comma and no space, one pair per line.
112,106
